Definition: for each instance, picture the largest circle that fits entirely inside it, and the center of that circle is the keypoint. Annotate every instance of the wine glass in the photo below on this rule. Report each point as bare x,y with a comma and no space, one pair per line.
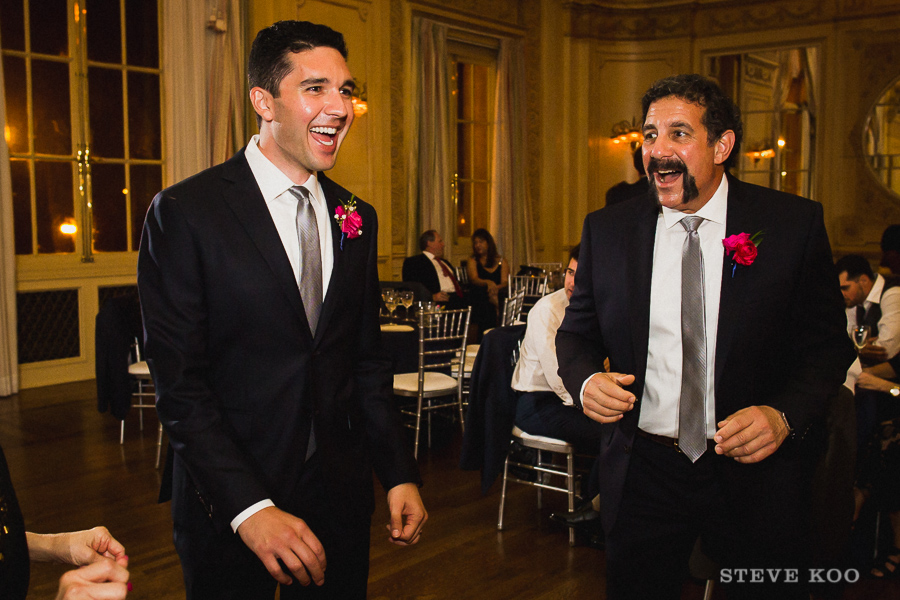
391,301
860,336
406,298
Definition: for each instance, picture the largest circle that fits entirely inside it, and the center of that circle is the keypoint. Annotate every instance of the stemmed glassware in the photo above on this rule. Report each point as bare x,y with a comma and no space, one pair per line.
406,299
391,299
860,336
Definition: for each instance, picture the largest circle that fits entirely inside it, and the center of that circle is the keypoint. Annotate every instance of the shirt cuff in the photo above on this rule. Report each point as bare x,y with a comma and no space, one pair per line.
584,385
249,512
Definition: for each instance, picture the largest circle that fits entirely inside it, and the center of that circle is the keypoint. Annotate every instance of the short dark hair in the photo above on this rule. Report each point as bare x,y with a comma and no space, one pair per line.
890,239
269,64
855,266
721,113
426,238
574,252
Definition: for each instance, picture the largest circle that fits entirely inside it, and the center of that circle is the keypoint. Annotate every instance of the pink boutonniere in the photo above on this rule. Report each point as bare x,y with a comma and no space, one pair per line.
742,248
348,219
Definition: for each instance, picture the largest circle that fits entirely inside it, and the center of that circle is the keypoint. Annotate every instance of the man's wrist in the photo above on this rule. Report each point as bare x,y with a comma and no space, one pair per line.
249,512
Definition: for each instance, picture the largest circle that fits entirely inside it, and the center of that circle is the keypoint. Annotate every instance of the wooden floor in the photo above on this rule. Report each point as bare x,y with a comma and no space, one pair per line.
71,473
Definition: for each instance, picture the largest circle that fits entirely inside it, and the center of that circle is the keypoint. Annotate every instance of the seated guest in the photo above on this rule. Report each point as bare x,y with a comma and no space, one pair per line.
623,190
104,572
431,270
874,301
488,273
544,406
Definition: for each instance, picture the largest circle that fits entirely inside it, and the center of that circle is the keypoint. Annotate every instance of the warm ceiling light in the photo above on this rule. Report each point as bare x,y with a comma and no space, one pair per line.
68,228
360,107
625,132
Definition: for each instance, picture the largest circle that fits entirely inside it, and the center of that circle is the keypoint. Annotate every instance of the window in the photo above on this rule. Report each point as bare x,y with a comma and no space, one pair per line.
472,81
775,92
82,87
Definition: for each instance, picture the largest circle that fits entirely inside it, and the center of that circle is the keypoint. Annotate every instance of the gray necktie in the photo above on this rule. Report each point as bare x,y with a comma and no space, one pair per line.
692,408
310,273
310,256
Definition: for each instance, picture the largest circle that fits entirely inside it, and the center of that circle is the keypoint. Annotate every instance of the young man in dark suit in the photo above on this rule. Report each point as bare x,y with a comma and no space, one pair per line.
722,355
259,287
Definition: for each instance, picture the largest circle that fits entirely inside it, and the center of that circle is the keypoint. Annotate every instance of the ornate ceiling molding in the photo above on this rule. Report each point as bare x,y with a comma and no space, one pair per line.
628,20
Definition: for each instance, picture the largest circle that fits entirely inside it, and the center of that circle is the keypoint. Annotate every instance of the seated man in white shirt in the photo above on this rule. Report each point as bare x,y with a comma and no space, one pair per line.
544,406
871,300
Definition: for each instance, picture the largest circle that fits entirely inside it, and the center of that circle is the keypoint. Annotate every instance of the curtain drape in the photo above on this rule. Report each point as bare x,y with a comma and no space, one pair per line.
430,203
511,221
9,354
226,87
185,84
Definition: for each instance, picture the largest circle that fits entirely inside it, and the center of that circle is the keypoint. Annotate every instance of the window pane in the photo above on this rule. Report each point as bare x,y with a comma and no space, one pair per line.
464,85
143,116
21,191
55,206
105,101
146,181
464,210
12,24
104,31
480,203
480,93
480,145
50,97
108,202
142,33
463,152
16,104
49,27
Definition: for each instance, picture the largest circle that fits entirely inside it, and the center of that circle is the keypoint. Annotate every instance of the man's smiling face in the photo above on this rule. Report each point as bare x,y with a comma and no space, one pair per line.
684,169
309,119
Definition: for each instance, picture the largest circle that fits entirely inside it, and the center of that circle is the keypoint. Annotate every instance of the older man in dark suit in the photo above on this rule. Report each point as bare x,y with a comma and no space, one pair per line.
721,358
431,270
259,286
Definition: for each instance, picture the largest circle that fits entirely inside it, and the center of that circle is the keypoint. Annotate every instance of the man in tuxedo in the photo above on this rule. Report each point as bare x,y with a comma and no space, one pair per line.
260,306
720,364
431,270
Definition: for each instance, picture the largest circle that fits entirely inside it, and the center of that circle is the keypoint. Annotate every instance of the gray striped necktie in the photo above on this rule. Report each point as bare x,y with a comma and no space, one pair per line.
692,407
310,257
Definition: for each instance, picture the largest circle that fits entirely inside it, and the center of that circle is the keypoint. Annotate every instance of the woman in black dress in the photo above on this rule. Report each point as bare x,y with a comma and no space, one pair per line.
488,273
104,574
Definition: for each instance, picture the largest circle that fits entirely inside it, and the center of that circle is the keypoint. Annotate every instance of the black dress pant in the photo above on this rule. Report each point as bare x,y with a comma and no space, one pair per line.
218,565
747,516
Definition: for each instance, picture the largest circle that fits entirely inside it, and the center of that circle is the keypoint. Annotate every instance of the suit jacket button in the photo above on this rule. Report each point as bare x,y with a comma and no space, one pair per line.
627,449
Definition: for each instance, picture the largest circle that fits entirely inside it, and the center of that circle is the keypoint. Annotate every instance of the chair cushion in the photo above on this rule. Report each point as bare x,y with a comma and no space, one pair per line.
434,383
539,438
139,369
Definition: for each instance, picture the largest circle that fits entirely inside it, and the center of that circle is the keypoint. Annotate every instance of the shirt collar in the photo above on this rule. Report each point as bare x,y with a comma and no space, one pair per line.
428,254
874,296
271,180
715,210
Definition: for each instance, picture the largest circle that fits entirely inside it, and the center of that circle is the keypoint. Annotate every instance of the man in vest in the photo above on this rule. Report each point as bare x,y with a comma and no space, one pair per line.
874,301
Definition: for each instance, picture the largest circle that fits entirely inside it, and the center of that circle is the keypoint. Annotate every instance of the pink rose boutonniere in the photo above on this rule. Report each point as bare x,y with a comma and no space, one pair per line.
742,248
348,219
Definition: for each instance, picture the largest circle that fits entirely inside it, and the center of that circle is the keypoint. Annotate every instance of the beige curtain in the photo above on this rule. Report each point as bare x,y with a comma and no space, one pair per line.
226,81
430,203
9,354
511,221
185,84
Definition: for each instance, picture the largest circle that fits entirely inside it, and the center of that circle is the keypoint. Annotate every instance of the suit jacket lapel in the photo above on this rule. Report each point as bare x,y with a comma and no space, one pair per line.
741,218
641,244
246,201
333,199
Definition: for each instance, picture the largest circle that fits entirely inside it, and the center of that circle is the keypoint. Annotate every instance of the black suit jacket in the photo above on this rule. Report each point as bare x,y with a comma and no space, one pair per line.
781,337
420,268
238,374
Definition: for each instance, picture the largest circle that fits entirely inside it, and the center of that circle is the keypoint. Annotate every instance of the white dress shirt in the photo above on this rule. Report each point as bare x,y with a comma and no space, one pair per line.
282,205
447,285
889,323
537,368
662,384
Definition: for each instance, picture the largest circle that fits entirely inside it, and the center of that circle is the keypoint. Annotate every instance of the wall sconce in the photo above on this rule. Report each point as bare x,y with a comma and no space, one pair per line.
360,105
759,151
625,132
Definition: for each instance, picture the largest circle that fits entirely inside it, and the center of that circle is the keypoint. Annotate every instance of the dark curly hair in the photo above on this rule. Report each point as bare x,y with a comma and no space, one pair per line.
721,113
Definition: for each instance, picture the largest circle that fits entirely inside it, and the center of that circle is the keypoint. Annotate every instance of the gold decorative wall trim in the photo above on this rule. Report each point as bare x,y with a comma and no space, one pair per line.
361,7
649,20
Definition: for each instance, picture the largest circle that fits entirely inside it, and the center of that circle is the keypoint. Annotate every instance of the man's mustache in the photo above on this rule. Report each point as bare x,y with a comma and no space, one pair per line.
666,164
